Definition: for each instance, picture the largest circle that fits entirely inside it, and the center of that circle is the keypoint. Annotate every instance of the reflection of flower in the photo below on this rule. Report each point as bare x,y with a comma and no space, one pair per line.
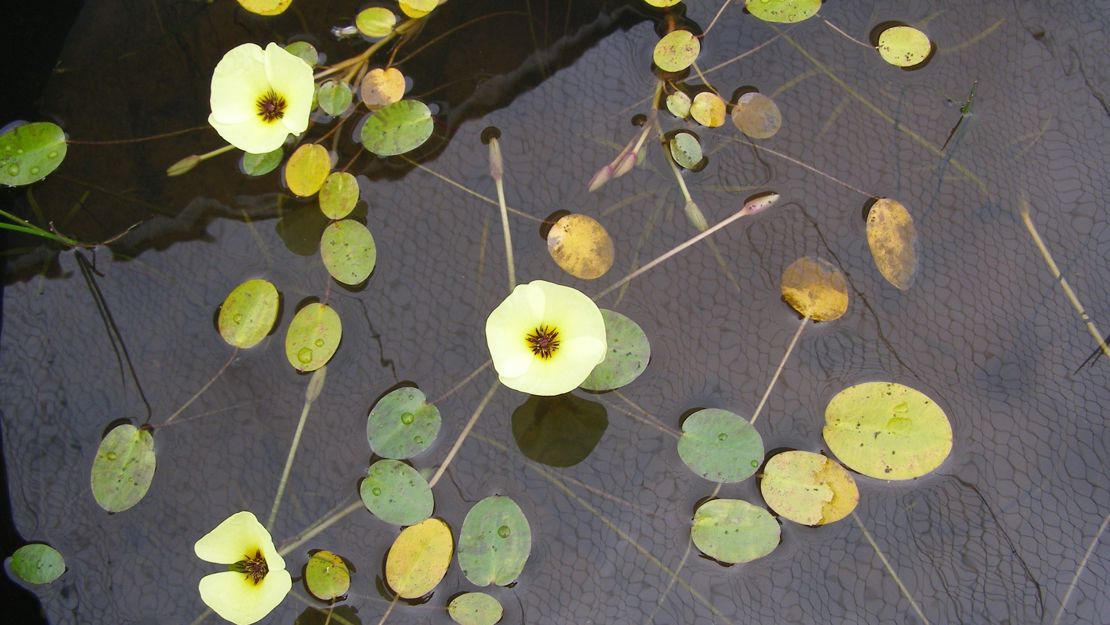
260,96
545,339
257,580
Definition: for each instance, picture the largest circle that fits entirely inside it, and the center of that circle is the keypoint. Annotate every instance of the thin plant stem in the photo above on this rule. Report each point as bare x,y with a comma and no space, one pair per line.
204,388
454,389
315,385
1070,294
462,435
811,168
846,35
448,33
890,570
216,152
468,190
497,172
720,11
778,371
681,564
1079,571
705,81
164,135
666,255
318,528
388,610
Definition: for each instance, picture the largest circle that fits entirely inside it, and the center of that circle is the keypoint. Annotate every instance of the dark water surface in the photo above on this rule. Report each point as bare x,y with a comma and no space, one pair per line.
995,535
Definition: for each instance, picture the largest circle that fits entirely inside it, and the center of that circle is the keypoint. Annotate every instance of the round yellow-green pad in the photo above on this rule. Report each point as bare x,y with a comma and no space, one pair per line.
676,51
313,337
887,431
808,488
904,46
248,314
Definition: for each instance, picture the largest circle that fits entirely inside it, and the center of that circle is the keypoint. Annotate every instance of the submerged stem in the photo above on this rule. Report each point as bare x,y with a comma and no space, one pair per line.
196,395
778,371
315,385
497,172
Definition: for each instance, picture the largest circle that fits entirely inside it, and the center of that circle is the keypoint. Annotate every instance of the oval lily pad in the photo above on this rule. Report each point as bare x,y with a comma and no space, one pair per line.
37,563
580,246
757,116
783,11
734,531
495,542
396,493
808,488
382,87
402,424
31,151
123,467
307,169
260,164
887,430
904,46
339,195
676,51
248,314
313,336
417,8
475,608
348,251
678,103
720,446
335,97
686,149
375,22
815,288
662,4
708,109
419,558
397,128
627,354
265,7
893,242
327,576
305,51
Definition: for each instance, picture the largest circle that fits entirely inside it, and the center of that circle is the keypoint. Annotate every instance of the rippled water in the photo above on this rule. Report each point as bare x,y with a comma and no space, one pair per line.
995,535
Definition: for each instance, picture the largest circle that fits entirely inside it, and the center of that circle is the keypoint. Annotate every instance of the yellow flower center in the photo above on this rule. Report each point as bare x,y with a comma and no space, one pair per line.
271,107
543,341
255,568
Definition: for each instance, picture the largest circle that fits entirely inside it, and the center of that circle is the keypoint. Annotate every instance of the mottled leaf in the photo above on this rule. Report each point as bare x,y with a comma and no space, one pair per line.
757,116
419,558
893,242
783,11
815,288
396,493
31,151
494,542
123,467
348,251
720,446
313,337
402,424
37,563
627,354
397,128
327,576
475,608
339,195
734,531
248,314
808,488
307,169
581,246
676,51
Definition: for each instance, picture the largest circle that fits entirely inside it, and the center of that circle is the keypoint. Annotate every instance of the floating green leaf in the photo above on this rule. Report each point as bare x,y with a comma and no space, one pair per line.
31,151
708,109
686,149
720,446
307,169
304,51
558,430
904,46
402,424
757,116
475,608
417,8
327,576
808,488
783,11
375,22
335,97
893,242
419,558
494,542
348,251
627,354
265,7
313,337
339,195
123,467
260,164
887,430
662,4
248,314
678,103
676,51
581,246
815,288
37,563
397,128
396,493
734,531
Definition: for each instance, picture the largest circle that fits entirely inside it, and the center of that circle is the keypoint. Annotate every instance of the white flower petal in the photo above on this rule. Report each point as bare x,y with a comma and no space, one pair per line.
238,536
291,78
237,599
252,135
237,82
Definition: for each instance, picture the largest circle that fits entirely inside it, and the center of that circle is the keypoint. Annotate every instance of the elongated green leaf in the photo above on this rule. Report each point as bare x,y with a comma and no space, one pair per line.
339,195
495,542
123,468
348,251
313,337
29,152
475,608
37,563
248,314
419,558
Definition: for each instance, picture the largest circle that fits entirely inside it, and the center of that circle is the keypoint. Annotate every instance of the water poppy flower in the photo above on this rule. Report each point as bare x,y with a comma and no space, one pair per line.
545,338
260,96
256,581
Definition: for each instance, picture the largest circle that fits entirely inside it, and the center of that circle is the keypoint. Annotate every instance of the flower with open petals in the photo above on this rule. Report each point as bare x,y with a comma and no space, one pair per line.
256,581
545,338
260,96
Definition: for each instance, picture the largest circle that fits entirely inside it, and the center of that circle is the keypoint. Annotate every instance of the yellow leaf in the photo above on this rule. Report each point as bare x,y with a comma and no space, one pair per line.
808,488
904,46
419,558
382,87
307,169
265,7
580,246
708,109
815,288
893,242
